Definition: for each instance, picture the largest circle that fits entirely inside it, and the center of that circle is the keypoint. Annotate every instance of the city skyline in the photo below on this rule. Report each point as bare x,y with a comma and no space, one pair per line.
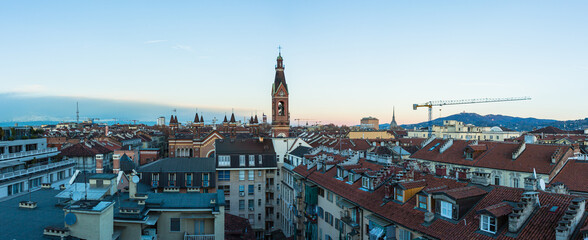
343,61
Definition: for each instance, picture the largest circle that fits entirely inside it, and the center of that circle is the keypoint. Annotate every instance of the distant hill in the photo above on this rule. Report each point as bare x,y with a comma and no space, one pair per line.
515,123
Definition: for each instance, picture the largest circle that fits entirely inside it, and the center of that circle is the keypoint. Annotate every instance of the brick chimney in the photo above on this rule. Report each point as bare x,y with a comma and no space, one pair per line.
522,211
115,163
99,163
568,223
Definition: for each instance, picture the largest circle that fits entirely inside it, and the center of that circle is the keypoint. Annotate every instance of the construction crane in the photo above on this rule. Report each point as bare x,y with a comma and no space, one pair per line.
430,104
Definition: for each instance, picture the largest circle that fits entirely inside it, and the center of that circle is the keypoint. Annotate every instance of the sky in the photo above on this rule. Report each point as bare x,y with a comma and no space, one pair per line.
344,59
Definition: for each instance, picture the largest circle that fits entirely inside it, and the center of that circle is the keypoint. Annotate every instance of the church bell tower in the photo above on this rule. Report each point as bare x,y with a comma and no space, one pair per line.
280,105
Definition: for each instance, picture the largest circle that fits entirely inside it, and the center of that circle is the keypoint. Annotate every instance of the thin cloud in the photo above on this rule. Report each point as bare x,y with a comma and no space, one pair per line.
183,47
154,41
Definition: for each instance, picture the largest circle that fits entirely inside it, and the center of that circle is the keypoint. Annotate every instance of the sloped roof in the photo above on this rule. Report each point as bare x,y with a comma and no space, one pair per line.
497,156
180,165
573,176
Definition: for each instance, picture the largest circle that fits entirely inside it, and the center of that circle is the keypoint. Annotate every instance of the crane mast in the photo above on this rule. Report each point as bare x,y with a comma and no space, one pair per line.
438,103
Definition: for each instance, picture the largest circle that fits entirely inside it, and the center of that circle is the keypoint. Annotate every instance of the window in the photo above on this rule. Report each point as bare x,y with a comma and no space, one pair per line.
258,202
224,175
205,179
337,223
224,161
172,180
226,189
241,175
227,205
251,175
251,160
259,187
155,179
241,204
353,215
350,178
496,180
251,204
198,227
241,189
339,173
242,160
422,201
404,234
446,209
469,155
260,160
488,223
188,180
321,192
366,183
330,196
251,189
399,195
515,182
259,173
174,225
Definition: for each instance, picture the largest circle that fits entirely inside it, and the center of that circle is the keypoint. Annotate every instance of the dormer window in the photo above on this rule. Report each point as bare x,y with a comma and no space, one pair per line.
469,155
367,183
399,196
488,223
446,209
350,178
339,173
422,202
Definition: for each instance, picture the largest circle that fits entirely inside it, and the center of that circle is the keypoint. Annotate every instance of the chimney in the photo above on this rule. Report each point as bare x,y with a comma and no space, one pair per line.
99,163
115,163
481,178
559,188
522,211
565,227
531,184
132,186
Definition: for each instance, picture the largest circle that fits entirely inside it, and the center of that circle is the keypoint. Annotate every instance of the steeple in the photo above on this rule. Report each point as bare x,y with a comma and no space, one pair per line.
393,124
280,79
201,118
196,118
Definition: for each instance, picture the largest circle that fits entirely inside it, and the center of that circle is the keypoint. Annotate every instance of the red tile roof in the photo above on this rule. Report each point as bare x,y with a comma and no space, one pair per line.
497,156
498,210
541,225
573,176
464,192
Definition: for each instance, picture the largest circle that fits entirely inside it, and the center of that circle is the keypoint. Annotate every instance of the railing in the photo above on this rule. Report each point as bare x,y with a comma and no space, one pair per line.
27,153
19,173
583,157
199,237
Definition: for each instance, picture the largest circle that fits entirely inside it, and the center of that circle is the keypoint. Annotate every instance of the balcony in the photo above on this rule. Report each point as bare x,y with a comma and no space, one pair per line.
36,169
28,153
269,188
199,237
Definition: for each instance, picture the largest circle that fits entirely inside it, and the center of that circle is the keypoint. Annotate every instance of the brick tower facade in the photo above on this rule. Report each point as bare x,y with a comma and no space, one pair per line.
280,105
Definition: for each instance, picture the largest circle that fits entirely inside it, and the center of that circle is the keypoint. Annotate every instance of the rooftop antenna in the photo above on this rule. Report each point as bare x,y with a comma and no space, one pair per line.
77,113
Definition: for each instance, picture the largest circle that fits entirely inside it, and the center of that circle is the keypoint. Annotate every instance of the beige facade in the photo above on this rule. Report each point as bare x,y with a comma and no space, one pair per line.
92,225
370,122
459,130
238,196
370,135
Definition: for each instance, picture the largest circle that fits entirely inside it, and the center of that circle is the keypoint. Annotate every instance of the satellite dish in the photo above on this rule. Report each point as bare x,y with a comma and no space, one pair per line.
76,196
542,184
135,179
70,219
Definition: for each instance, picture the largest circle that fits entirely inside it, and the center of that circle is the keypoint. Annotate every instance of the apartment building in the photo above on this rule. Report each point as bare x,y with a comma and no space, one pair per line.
247,173
459,130
29,164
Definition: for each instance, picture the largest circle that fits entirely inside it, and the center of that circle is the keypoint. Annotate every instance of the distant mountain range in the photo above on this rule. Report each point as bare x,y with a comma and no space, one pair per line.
40,123
491,120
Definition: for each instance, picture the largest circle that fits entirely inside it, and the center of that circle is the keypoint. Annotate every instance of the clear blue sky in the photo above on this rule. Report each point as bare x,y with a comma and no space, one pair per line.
344,59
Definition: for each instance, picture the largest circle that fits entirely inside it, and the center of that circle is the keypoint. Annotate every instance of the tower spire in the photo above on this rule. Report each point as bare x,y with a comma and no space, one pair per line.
77,113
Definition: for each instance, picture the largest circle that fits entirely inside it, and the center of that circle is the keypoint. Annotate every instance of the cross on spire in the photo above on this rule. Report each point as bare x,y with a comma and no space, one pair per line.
279,50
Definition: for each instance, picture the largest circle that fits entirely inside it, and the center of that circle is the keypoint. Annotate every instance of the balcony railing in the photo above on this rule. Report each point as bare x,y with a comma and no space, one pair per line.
27,153
49,166
199,237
